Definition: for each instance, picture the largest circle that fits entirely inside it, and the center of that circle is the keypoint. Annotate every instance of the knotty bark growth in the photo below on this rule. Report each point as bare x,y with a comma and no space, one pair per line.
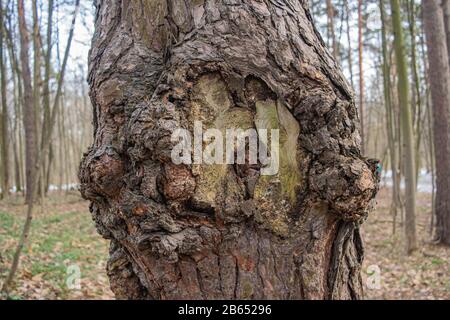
222,231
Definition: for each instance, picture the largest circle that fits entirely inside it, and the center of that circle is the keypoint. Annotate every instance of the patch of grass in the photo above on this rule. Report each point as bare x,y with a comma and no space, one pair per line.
48,269
62,235
6,221
437,261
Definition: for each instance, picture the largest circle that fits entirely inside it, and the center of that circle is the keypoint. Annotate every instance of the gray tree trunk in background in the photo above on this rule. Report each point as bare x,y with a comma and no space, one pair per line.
331,29
439,75
29,115
407,130
446,11
224,231
361,72
5,185
390,122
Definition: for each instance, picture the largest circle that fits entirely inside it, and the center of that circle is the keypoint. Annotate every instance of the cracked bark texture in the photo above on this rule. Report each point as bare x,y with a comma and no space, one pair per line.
224,231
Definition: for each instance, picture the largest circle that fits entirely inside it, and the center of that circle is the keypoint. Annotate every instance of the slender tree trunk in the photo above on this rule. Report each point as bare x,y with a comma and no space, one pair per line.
29,114
430,138
30,141
17,177
18,104
65,149
4,114
393,150
349,43
16,140
431,148
407,130
50,168
60,152
361,71
417,119
439,72
331,28
37,89
46,90
224,231
446,11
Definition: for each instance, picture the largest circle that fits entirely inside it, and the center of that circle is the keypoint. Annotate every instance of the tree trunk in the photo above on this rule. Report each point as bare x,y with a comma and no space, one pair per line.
393,150
349,42
224,231
18,101
361,72
46,92
331,29
407,130
4,114
439,73
29,115
417,100
446,11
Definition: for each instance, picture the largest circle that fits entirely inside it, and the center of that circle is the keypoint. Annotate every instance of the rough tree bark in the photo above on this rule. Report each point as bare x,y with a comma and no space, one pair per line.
224,231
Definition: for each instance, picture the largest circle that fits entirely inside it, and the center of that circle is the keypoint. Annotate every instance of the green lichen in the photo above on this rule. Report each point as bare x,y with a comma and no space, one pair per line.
276,195
247,290
290,175
274,115
212,105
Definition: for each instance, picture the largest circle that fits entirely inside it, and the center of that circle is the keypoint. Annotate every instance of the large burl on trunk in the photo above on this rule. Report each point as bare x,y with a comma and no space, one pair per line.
224,231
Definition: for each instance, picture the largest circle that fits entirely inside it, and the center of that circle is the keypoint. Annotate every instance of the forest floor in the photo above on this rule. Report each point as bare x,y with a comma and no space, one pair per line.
423,275
64,243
